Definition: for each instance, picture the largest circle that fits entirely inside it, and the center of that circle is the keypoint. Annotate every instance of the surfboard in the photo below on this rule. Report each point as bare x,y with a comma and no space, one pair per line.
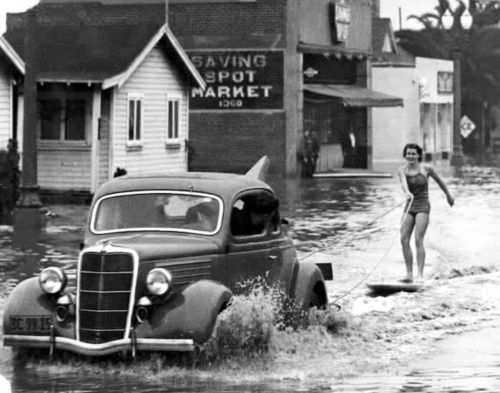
388,288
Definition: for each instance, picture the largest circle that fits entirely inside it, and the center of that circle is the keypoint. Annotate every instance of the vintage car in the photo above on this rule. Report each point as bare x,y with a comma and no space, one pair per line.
160,259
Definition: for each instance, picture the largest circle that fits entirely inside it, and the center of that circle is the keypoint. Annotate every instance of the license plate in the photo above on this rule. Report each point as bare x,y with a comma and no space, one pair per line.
30,324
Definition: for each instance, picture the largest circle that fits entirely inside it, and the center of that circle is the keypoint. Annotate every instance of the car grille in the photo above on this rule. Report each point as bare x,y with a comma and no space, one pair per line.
105,292
188,272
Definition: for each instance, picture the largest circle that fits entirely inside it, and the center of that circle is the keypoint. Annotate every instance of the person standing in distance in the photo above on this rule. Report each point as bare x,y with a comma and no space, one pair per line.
414,178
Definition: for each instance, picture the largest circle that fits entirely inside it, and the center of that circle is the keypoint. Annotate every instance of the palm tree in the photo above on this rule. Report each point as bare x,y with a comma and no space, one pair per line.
479,48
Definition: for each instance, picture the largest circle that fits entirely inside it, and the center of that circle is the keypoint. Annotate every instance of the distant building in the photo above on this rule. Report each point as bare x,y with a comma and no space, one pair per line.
426,116
480,5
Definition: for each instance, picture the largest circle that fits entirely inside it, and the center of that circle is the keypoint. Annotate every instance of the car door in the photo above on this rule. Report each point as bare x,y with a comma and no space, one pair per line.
254,248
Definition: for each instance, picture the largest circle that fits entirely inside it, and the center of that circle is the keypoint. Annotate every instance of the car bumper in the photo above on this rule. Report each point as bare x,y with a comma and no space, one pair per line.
82,348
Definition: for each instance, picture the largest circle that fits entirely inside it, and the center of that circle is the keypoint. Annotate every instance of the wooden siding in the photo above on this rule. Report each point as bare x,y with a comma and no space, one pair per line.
104,137
5,106
66,165
156,79
64,169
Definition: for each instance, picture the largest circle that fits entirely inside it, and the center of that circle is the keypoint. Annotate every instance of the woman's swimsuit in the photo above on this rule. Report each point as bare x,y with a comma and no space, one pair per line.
419,187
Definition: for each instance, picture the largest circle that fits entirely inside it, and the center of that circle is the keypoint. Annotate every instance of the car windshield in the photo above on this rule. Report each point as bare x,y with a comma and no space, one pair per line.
165,211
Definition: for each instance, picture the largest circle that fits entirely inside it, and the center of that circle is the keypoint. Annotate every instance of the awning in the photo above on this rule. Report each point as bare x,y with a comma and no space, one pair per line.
338,51
355,96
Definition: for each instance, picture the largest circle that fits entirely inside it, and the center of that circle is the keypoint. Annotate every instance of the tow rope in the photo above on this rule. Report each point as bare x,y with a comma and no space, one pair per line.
347,236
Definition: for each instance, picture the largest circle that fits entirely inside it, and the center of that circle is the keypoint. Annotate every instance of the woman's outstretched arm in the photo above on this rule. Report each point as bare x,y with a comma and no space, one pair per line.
432,173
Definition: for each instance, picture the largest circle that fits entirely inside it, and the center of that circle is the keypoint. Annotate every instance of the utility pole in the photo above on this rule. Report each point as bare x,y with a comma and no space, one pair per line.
27,215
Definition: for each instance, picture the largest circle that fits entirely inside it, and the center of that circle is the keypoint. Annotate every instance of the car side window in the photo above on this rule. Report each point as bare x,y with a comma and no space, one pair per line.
254,214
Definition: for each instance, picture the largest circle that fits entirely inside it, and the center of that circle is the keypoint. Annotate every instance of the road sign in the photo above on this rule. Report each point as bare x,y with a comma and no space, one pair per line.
466,126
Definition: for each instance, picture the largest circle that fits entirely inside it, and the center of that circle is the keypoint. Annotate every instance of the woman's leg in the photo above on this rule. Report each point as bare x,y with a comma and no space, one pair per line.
421,223
406,230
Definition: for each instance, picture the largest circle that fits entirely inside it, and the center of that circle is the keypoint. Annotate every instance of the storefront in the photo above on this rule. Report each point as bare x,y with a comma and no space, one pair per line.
436,108
275,69
340,113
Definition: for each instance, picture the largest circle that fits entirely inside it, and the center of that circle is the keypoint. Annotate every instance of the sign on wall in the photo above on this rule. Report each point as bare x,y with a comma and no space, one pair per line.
444,82
238,80
340,19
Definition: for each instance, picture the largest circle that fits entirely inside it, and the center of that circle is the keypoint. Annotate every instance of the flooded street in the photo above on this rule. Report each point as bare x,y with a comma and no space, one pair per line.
418,342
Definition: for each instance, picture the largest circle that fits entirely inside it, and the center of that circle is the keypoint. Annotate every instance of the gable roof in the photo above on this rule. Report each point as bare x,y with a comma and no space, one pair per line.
12,55
382,38
381,30
92,42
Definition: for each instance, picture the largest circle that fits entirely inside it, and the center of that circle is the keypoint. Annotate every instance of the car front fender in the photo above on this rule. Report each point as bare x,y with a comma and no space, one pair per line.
190,313
26,304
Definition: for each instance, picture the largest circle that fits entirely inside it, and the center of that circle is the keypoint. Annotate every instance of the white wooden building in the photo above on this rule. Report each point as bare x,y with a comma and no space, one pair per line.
11,76
113,92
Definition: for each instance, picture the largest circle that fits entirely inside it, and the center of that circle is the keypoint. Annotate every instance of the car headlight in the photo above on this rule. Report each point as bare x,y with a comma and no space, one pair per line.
158,281
52,280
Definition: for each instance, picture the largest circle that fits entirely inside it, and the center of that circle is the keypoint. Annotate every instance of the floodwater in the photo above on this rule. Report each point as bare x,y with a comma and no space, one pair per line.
352,223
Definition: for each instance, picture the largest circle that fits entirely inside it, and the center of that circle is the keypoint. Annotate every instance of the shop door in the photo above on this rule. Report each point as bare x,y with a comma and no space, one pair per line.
354,139
327,118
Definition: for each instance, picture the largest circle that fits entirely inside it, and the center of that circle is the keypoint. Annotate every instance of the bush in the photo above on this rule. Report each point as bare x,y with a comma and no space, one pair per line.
9,180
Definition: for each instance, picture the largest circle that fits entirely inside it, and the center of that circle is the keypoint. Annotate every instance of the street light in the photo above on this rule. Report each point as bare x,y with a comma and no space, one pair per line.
464,24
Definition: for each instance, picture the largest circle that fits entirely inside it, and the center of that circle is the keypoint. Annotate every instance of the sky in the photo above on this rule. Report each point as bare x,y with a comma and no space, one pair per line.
388,9
13,6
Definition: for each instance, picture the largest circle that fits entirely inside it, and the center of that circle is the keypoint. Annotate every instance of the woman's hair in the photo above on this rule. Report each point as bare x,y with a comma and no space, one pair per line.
419,150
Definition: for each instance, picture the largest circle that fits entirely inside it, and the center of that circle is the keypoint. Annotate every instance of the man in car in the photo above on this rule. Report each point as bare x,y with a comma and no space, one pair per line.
253,216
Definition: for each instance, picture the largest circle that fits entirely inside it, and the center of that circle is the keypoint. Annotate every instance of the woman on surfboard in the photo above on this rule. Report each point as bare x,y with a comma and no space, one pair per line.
414,178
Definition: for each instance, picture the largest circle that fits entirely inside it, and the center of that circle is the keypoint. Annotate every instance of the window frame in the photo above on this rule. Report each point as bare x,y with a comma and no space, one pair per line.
174,140
63,98
268,233
95,211
135,97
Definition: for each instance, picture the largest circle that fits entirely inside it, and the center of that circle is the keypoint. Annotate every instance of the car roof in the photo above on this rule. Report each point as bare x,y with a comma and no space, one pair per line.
224,185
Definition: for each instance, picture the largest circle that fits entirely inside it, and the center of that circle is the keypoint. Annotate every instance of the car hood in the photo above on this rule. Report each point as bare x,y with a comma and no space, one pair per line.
153,247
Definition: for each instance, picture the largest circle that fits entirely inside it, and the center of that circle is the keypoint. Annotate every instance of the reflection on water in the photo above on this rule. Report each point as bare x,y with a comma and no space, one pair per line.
468,363
351,214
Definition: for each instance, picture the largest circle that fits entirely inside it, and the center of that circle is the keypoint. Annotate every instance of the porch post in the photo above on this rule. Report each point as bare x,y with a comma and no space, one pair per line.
96,115
27,213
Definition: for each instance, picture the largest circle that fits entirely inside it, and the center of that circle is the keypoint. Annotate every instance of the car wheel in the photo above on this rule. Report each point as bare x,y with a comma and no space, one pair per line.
316,302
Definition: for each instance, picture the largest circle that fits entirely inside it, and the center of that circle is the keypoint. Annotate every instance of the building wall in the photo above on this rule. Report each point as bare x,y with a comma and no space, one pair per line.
5,105
427,70
237,141
315,25
64,168
393,127
228,23
156,78
232,140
